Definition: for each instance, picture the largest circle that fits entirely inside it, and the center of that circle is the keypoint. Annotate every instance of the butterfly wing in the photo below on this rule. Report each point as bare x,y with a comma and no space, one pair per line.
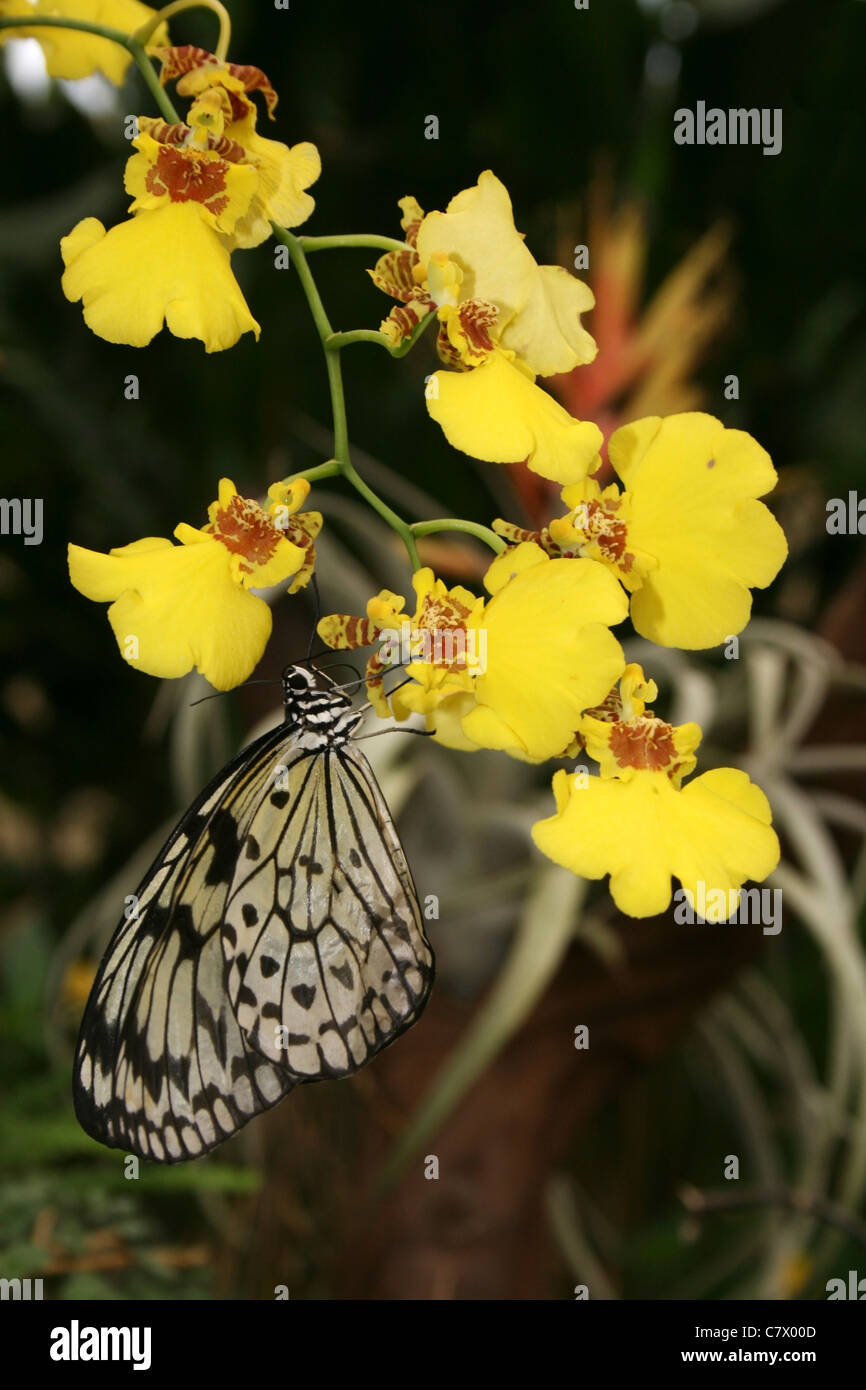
328,960
162,1068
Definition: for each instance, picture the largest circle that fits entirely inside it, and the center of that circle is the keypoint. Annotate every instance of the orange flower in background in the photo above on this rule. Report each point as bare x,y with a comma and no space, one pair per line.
647,357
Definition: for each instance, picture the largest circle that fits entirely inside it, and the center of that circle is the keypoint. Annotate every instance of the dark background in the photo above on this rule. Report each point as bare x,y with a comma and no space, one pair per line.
546,96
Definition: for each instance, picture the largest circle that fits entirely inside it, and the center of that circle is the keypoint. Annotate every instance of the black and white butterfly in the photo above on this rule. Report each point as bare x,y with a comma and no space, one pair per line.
276,939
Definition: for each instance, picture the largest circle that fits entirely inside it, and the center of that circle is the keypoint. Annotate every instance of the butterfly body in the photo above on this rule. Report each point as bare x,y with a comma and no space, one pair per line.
277,939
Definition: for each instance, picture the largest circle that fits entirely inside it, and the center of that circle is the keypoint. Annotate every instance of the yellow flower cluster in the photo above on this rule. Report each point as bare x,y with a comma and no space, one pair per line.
532,667
536,672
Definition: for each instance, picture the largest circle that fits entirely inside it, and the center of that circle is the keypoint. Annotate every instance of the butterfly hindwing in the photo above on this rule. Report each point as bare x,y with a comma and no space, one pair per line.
326,948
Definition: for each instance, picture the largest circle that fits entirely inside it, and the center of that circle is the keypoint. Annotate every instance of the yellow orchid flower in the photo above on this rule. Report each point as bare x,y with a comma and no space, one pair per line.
538,307
513,673
169,262
694,487
504,320
549,652
73,54
496,413
285,173
198,193
688,538
401,276
637,823
440,645
175,607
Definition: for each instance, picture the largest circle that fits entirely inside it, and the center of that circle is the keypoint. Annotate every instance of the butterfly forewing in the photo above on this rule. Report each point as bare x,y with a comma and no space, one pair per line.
162,1067
276,939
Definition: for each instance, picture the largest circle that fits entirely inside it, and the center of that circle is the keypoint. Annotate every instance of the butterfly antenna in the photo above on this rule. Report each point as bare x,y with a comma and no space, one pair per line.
378,733
218,693
388,694
323,670
314,584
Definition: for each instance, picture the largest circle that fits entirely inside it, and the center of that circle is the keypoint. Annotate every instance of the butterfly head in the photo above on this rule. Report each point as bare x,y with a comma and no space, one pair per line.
323,718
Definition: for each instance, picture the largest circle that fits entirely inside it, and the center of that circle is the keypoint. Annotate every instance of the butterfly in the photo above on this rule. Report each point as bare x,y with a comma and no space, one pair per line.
276,939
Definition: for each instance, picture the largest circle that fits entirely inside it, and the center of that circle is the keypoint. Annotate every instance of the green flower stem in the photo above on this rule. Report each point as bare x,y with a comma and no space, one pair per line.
404,531
371,335
308,284
346,468
456,523
357,335
330,243
102,31
338,407
420,327
44,22
331,469
222,47
157,91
